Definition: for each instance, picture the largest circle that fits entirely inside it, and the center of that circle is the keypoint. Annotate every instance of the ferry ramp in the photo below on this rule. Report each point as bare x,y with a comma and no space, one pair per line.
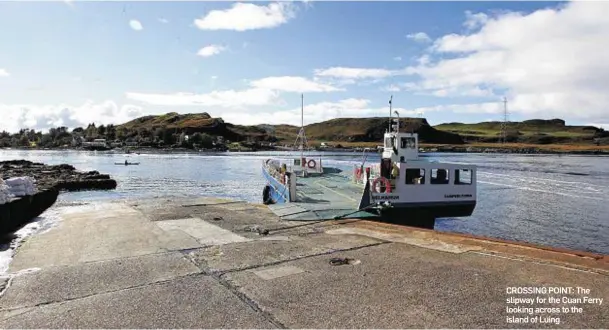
323,198
207,263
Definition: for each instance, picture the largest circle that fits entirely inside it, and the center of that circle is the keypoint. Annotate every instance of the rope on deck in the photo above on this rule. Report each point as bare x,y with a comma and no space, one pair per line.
370,206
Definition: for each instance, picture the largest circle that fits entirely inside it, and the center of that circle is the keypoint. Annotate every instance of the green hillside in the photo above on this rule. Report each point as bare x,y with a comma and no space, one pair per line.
335,130
369,130
196,123
535,131
357,130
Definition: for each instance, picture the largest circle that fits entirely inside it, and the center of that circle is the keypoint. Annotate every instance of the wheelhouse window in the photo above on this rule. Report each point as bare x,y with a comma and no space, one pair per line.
407,143
415,176
463,176
439,176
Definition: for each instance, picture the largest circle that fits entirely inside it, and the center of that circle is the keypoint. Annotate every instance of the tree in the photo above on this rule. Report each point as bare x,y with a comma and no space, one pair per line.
168,138
121,134
53,133
91,131
111,132
196,139
23,141
207,141
144,133
46,141
159,133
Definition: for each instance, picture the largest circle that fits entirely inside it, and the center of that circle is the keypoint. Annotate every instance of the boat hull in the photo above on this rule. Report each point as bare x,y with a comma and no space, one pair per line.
16,214
437,210
274,192
423,215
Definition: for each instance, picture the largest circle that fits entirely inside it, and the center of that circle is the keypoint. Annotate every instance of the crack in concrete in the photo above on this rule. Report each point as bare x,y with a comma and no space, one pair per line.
218,276
159,282
274,263
248,301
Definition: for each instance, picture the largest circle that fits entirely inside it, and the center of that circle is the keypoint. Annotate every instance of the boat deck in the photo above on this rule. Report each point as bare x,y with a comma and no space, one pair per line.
322,198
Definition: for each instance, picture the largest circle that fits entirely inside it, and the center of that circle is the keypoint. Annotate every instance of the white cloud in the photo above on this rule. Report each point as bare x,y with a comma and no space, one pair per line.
292,84
4,73
211,50
548,62
391,88
314,113
353,73
225,99
262,92
397,58
136,25
163,20
476,20
419,37
247,16
42,117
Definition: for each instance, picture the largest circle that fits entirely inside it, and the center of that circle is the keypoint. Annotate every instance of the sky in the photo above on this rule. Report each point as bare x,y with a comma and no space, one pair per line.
70,63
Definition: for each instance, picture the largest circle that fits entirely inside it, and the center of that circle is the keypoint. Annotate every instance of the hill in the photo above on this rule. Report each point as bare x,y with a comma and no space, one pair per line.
196,123
335,130
535,131
367,130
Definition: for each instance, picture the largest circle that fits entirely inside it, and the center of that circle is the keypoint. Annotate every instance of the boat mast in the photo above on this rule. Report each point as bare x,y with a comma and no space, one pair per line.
302,126
390,99
301,134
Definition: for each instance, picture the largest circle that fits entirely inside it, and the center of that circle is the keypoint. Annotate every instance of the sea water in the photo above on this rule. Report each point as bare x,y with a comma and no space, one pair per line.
553,200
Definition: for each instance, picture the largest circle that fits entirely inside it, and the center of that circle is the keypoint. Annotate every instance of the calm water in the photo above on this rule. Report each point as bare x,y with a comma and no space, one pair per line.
561,201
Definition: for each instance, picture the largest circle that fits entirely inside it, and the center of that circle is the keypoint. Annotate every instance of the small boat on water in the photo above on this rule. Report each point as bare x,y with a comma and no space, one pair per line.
401,188
126,164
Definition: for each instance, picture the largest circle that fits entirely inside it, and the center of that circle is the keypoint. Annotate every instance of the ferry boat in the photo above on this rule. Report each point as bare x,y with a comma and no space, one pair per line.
400,188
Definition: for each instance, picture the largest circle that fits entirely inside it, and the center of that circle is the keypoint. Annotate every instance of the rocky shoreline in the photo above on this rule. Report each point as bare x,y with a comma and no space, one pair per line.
62,177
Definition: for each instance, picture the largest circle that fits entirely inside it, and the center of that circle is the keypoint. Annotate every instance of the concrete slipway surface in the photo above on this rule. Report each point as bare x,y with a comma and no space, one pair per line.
209,263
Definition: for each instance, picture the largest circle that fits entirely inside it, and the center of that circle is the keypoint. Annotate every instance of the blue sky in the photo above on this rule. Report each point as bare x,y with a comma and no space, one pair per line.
69,64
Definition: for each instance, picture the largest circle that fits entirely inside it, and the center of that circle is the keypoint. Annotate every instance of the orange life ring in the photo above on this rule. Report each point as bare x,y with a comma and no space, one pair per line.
386,183
309,163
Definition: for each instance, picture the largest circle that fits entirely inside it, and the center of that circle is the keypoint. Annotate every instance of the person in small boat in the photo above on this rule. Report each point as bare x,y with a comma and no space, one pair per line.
126,163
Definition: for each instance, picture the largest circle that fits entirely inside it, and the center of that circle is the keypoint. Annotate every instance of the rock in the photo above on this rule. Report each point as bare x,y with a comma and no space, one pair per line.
61,177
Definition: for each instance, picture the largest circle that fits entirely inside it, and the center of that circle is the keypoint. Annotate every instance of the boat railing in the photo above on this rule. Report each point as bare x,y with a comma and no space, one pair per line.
359,176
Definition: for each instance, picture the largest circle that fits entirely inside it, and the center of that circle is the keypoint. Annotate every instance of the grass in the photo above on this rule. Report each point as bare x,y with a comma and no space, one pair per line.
545,147
552,128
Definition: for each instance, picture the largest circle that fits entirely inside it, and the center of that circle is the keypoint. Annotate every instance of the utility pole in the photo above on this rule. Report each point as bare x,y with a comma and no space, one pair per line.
504,123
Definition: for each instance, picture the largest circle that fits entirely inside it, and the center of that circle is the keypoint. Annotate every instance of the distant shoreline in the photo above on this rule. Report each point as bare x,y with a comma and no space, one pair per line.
425,148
